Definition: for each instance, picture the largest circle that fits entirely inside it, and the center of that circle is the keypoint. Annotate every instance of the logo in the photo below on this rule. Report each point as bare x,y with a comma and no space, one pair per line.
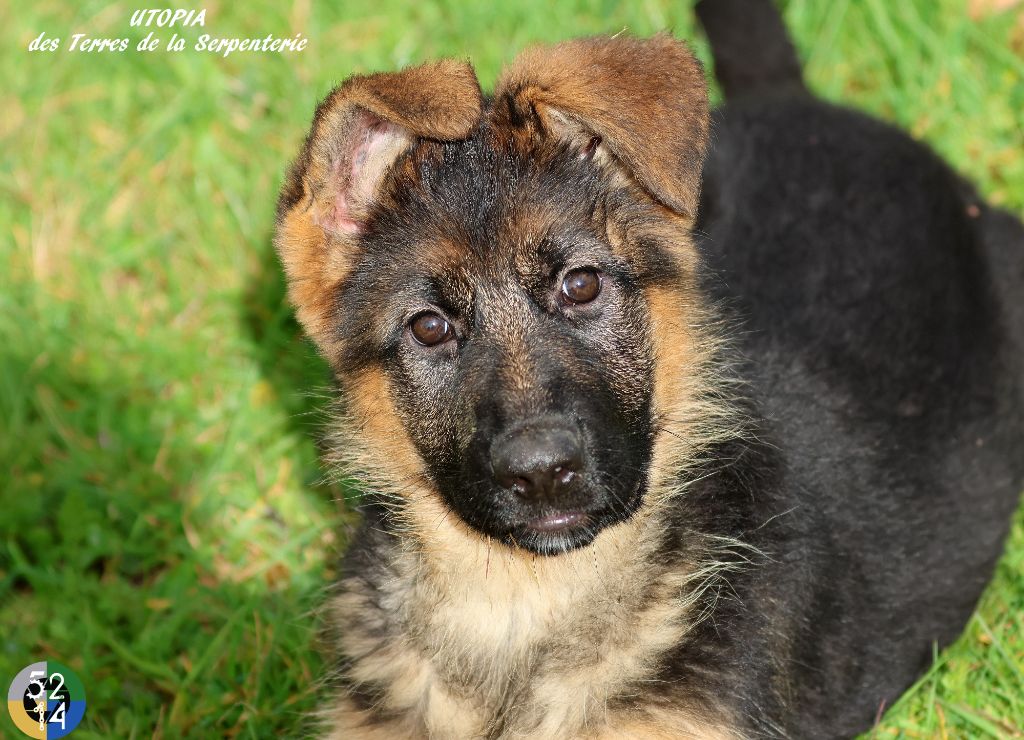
46,700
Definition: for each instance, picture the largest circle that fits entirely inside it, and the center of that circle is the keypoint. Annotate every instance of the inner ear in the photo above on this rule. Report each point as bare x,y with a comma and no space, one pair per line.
581,139
590,148
365,125
373,145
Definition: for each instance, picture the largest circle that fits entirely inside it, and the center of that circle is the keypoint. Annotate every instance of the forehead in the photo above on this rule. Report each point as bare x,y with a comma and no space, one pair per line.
483,204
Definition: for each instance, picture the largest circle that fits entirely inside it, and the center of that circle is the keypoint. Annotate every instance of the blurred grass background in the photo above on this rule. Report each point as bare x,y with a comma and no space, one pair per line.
163,527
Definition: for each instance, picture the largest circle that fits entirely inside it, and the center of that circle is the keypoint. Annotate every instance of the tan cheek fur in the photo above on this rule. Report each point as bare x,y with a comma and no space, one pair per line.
315,264
687,394
677,363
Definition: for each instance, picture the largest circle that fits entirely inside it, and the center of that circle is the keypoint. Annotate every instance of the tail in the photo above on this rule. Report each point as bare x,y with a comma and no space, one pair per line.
752,51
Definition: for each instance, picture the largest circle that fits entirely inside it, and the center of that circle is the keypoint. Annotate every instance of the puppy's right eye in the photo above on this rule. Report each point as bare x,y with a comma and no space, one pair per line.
429,328
581,286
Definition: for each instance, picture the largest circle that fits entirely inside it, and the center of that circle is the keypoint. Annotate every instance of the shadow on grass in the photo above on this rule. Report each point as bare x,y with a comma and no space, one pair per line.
131,550
300,377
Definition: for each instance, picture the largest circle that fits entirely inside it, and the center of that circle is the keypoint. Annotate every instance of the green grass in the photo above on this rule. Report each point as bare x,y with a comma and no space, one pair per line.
163,529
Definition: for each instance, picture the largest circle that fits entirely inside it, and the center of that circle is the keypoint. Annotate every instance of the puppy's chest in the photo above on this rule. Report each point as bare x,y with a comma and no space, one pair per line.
509,660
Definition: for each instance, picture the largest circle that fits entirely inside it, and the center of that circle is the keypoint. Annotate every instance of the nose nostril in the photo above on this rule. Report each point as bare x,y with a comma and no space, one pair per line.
564,475
517,484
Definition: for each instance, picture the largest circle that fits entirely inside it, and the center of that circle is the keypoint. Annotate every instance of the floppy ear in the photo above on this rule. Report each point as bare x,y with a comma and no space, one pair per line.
362,127
358,133
644,100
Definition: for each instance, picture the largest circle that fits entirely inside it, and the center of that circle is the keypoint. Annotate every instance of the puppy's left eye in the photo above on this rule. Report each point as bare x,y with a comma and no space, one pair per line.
581,286
429,329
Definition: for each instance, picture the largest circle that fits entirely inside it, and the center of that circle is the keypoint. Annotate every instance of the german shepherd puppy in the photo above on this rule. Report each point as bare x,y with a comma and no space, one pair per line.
642,459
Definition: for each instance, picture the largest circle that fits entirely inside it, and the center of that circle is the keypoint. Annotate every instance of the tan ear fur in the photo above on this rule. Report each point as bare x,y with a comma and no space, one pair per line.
644,98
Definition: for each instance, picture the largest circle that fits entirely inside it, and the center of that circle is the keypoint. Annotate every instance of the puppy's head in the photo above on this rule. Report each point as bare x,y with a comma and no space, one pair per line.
504,288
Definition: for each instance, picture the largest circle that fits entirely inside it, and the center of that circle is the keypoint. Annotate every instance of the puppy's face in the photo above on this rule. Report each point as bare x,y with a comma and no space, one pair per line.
483,278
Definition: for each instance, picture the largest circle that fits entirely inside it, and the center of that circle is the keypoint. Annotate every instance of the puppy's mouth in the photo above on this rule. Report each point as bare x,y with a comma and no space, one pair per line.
555,531
558,521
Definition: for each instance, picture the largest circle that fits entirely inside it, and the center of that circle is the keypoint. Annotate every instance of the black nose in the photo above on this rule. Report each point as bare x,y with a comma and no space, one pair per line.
537,460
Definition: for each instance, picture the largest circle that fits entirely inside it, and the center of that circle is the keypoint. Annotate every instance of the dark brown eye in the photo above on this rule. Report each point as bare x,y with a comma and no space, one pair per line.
581,286
429,329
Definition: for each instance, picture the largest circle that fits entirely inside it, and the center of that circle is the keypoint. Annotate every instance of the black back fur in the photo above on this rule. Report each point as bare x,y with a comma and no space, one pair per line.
880,301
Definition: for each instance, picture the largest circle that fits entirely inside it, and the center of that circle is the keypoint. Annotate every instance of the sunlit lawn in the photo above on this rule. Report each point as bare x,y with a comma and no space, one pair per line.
163,527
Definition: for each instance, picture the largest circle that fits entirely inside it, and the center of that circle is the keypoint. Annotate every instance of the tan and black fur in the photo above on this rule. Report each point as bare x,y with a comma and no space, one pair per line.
699,562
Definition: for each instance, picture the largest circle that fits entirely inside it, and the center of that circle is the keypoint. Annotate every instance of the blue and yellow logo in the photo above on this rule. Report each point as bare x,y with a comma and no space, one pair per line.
46,700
